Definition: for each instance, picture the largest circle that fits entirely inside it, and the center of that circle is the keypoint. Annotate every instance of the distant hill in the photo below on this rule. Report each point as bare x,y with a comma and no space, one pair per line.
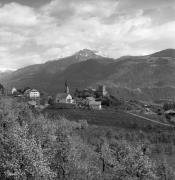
150,77
4,74
165,53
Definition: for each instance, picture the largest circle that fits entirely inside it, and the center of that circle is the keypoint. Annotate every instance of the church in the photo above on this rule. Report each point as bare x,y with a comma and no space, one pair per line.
64,97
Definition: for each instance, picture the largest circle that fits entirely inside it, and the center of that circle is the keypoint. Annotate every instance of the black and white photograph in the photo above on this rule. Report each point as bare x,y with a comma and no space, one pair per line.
87,89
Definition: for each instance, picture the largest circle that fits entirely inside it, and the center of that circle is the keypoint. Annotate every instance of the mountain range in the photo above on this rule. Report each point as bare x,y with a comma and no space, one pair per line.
150,77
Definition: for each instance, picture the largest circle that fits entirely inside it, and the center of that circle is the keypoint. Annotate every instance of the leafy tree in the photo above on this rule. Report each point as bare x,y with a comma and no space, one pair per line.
126,161
26,88
51,101
164,171
1,89
22,157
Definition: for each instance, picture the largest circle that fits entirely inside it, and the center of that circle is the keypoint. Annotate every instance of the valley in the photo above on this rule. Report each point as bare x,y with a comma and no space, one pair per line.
87,90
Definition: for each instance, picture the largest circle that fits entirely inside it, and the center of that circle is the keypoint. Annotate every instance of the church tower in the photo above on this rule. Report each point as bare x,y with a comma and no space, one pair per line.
67,90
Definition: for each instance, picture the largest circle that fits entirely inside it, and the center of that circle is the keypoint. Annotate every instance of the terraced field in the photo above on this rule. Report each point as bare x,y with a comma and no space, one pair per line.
104,118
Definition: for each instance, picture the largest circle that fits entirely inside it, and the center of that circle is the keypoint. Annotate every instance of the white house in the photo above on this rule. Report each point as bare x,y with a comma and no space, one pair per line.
63,98
14,90
34,94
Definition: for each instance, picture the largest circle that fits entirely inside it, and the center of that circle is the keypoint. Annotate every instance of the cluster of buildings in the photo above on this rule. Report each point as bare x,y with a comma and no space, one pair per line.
85,99
32,96
90,97
91,92
28,93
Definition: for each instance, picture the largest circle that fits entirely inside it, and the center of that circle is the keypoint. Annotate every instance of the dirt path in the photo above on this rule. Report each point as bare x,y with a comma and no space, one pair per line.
151,120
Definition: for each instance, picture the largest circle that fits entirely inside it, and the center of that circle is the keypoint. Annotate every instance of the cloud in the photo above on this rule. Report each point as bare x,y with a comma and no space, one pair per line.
129,5
14,14
30,35
30,3
161,15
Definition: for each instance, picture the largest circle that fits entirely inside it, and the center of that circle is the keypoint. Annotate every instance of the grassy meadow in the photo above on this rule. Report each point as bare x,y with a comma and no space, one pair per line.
106,117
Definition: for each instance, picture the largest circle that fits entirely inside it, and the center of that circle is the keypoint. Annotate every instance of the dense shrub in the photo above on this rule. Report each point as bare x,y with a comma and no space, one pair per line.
83,123
168,106
164,170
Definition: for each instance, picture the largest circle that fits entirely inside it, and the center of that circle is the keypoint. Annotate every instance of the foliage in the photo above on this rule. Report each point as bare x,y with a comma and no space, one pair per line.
126,161
36,147
168,106
165,171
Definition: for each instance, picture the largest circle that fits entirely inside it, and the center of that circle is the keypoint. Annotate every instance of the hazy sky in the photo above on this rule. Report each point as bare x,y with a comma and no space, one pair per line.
34,31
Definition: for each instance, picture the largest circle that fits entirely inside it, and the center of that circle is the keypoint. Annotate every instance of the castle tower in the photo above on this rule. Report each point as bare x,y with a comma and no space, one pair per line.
102,90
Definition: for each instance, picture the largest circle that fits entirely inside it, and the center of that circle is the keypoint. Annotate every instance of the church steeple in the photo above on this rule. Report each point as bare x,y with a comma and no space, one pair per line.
67,90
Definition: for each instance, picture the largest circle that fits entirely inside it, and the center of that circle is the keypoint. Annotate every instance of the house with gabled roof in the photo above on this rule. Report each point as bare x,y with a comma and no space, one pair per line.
32,93
93,104
63,98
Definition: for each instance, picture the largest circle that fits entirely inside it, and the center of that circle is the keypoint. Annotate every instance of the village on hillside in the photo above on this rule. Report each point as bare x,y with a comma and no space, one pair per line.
84,99
96,99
